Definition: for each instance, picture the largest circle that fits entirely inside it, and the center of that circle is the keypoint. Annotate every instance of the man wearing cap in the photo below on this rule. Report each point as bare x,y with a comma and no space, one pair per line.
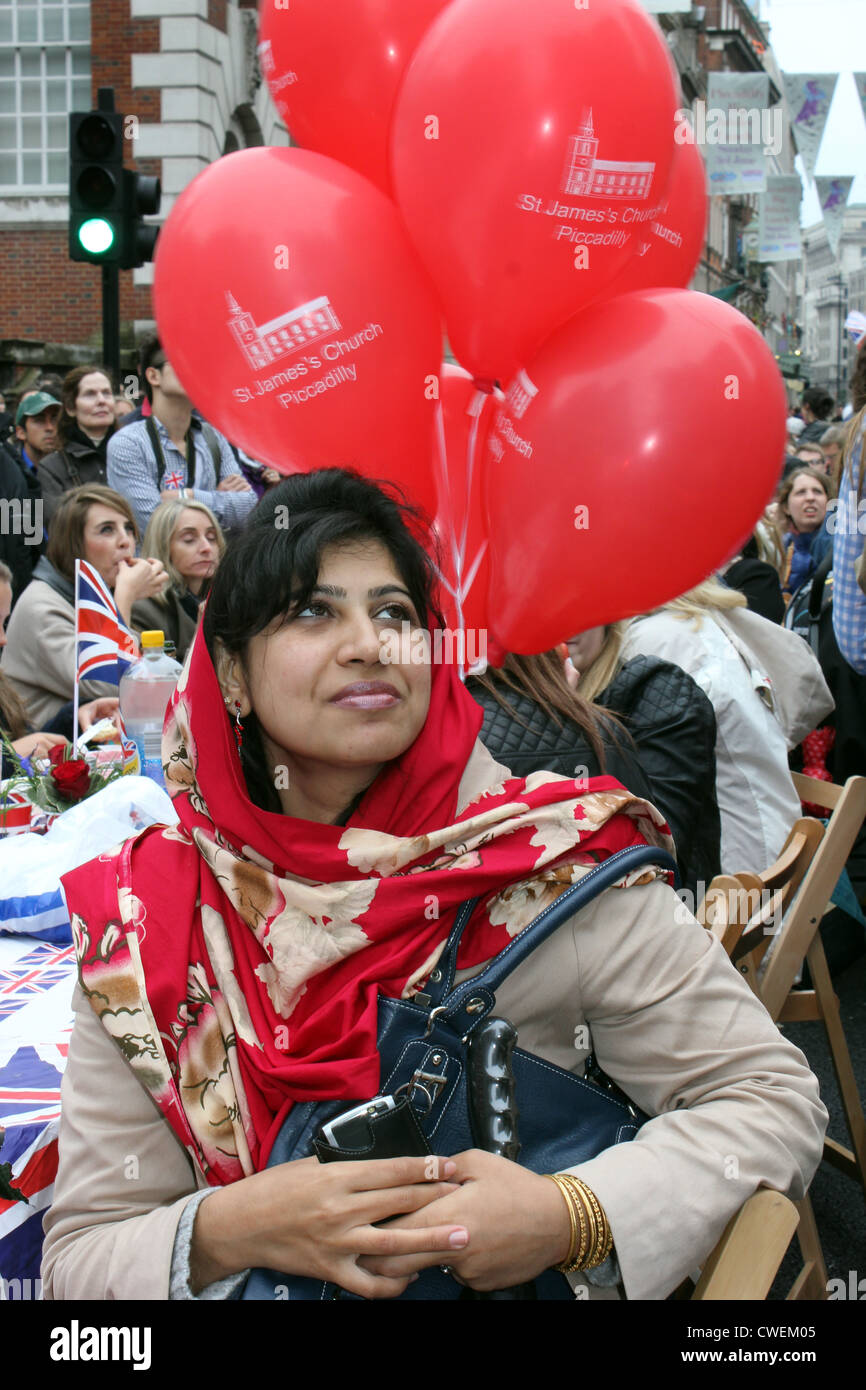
36,421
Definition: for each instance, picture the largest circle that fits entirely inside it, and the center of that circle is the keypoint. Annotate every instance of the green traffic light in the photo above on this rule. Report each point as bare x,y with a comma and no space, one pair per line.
96,235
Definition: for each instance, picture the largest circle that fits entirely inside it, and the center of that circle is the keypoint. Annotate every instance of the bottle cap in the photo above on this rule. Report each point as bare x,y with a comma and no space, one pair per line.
153,639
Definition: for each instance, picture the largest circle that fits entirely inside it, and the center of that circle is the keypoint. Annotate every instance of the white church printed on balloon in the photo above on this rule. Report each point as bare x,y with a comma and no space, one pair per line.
268,342
520,395
587,176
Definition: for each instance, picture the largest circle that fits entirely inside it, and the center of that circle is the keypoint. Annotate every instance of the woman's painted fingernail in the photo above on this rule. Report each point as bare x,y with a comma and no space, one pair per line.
413,1277
449,1168
458,1238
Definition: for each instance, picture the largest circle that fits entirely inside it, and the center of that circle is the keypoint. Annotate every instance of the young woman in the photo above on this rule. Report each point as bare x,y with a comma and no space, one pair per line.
801,517
13,716
86,425
231,965
93,524
187,540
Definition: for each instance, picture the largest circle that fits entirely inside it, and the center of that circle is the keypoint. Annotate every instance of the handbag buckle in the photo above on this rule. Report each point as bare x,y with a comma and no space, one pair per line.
440,1009
420,1081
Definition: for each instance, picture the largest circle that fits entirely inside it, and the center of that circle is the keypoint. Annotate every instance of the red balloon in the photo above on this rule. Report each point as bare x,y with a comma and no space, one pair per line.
529,142
463,421
298,318
672,242
334,66
641,443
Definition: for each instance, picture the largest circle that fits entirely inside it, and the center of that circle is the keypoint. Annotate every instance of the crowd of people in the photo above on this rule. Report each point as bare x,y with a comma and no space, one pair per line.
699,710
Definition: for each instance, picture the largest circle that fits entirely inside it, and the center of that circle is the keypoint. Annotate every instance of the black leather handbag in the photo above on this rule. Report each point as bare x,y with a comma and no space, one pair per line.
423,1045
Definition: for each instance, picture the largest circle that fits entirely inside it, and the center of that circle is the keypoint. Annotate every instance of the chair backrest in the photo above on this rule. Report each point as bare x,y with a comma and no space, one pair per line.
742,910
847,807
753,1244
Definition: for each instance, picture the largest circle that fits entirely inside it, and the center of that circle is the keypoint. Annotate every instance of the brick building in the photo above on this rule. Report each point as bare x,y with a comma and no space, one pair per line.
186,74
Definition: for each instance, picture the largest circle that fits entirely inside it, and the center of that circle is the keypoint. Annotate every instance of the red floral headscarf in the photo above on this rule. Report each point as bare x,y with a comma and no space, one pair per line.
237,958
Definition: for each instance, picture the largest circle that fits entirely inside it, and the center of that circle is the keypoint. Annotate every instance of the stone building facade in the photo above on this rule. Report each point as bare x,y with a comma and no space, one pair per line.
185,71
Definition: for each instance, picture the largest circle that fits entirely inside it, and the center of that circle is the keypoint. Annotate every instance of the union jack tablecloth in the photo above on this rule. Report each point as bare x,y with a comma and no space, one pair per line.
36,982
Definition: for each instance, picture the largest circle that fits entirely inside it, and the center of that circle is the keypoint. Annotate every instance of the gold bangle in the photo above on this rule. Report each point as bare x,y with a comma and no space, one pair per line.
603,1243
591,1225
572,1218
596,1240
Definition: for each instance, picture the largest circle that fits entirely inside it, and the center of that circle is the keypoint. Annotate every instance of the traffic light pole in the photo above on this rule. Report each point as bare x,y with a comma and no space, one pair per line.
111,319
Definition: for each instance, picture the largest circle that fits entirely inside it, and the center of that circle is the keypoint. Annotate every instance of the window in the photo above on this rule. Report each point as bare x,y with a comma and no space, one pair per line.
44,74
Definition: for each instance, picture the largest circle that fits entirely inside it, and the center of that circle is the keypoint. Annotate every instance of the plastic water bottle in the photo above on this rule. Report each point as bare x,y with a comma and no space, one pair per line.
145,690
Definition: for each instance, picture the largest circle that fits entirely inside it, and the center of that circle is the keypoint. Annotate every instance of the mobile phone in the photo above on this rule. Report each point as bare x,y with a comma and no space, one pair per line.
352,1129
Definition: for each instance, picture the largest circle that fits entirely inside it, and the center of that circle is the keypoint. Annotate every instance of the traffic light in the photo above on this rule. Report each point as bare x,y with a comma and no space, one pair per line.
96,186
141,198
106,201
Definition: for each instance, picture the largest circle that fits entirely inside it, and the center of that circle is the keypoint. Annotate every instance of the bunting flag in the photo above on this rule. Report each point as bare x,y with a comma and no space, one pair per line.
860,84
855,327
36,984
778,236
106,648
809,96
833,197
736,130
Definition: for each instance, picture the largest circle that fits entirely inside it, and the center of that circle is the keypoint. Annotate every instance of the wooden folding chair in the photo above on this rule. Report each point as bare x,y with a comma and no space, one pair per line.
747,1258
800,939
741,912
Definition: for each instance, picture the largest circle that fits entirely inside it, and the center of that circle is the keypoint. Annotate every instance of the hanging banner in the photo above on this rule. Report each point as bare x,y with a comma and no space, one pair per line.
667,6
833,196
809,95
860,84
734,130
779,219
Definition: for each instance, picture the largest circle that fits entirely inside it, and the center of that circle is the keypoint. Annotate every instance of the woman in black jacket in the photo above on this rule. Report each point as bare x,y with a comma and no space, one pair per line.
649,725
673,725
86,425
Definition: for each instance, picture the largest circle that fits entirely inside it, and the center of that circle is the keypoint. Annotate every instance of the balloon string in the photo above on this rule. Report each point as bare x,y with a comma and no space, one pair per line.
445,491
470,470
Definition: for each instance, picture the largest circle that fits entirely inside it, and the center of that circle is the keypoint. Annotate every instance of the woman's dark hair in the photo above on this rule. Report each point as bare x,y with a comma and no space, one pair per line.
271,568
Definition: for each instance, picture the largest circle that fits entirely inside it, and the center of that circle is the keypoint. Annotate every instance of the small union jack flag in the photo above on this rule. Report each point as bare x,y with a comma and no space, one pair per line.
173,482
106,647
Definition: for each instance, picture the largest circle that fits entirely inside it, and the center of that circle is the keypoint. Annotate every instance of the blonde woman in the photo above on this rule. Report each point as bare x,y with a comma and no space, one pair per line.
187,539
767,692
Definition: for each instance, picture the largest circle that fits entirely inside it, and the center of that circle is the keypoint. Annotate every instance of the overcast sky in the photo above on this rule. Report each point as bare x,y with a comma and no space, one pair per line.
826,36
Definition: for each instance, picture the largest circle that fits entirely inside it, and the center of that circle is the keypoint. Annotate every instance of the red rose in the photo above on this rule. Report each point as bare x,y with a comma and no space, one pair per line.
71,779
57,753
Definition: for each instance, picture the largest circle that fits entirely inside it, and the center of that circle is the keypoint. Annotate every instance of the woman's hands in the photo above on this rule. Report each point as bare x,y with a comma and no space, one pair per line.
36,745
319,1220
105,707
518,1225
138,579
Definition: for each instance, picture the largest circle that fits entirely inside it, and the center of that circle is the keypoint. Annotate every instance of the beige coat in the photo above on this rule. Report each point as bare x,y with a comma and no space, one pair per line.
670,1020
40,654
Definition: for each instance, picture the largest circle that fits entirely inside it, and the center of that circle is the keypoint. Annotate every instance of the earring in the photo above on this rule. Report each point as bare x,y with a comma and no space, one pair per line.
238,726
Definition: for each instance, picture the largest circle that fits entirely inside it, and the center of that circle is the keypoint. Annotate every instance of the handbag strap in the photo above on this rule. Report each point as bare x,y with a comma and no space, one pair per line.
479,991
